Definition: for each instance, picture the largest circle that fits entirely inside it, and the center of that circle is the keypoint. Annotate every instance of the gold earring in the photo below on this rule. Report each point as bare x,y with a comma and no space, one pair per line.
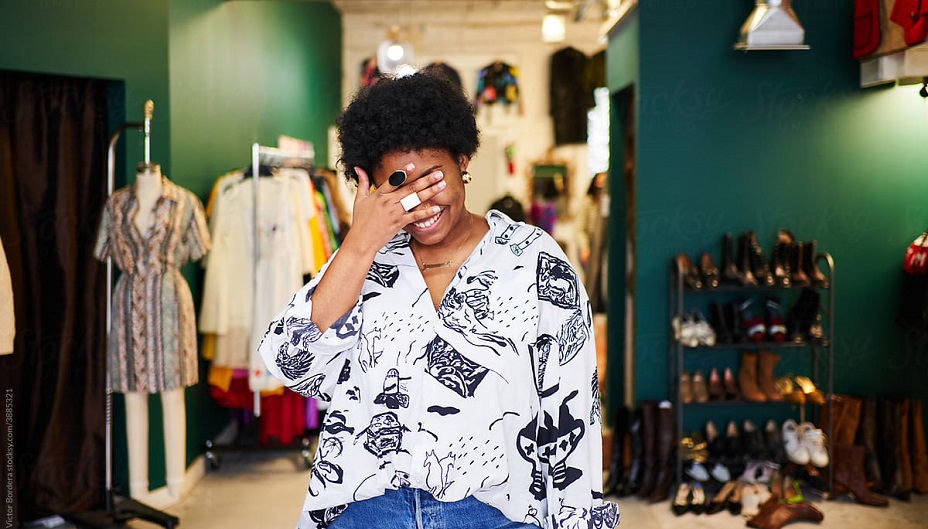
466,177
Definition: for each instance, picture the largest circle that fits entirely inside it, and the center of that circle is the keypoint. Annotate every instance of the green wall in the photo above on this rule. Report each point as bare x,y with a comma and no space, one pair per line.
122,40
243,72
733,141
222,75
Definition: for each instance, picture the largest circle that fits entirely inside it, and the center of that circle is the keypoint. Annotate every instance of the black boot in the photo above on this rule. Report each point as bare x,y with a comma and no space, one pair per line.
797,277
720,322
649,448
802,315
816,277
745,273
758,265
779,259
729,271
617,483
666,452
636,465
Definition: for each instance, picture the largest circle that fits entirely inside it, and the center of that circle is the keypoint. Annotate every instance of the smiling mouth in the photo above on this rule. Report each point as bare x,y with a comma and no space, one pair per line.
429,222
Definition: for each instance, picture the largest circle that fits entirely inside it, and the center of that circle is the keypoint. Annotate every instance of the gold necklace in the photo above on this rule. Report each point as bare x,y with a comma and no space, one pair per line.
447,264
433,266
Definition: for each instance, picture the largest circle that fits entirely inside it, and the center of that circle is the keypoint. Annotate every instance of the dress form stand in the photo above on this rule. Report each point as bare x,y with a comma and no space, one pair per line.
148,191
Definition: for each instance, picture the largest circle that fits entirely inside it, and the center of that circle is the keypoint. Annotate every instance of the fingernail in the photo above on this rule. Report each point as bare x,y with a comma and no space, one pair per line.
440,185
410,166
438,175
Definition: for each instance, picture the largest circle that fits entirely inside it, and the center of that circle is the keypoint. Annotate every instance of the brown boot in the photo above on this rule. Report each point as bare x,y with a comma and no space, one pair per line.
766,362
846,428
917,448
774,515
747,378
866,437
850,478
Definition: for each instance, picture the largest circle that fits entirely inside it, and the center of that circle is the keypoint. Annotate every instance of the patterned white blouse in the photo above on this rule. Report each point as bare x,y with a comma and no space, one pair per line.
494,395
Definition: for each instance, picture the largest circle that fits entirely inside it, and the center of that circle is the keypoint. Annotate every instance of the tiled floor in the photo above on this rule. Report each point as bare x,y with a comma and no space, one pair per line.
265,491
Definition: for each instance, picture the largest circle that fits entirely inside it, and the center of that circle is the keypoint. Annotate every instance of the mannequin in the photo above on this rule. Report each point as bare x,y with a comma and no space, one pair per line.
150,229
148,190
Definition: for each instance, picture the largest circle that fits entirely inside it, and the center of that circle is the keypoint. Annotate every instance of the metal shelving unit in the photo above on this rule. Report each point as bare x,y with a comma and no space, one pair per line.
821,351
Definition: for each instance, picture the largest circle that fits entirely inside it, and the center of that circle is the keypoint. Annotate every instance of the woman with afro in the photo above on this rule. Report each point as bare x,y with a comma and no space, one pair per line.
454,349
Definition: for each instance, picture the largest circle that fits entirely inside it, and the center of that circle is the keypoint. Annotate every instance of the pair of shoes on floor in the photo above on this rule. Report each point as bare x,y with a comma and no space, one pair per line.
728,497
689,497
804,444
693,330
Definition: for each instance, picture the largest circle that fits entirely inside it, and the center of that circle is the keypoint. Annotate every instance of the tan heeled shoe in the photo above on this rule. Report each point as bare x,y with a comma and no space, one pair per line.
686,387
812,393
789,391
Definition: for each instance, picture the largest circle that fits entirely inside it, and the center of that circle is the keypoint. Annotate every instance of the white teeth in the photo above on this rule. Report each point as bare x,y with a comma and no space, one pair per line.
427,222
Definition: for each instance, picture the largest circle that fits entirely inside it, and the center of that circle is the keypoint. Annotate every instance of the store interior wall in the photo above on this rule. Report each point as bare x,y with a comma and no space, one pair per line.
238,72
732,141
469,37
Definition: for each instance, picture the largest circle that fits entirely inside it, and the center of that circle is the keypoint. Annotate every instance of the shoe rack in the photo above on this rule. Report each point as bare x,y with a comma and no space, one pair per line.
684,296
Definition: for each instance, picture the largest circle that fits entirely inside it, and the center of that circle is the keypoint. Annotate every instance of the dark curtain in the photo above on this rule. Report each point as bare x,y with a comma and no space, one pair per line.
52,188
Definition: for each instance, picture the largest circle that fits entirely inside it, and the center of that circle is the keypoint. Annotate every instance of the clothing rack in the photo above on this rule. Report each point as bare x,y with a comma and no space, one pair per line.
118,510
262,155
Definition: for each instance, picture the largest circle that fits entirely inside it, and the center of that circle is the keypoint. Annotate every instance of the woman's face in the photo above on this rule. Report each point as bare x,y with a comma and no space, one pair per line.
453,215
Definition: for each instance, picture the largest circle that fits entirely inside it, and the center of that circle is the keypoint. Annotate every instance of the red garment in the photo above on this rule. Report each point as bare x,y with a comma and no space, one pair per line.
866,27
283,418
912,15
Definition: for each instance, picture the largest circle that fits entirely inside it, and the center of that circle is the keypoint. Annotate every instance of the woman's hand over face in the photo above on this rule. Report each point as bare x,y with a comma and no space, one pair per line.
379,215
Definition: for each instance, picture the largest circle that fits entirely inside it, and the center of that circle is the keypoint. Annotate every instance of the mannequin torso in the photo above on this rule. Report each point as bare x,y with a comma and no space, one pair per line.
148,187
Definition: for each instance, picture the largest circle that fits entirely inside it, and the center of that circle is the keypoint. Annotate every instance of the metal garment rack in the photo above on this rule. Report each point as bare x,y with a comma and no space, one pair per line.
262,155
118,510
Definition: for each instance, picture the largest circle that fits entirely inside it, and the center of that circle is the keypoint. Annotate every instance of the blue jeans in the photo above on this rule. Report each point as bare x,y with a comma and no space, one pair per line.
409,508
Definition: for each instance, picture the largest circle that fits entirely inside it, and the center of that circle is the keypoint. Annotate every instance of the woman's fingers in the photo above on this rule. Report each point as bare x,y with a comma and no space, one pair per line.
364,182
397,179
423,188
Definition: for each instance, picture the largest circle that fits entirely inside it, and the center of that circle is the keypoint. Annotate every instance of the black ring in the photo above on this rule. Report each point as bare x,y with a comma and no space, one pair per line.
397,178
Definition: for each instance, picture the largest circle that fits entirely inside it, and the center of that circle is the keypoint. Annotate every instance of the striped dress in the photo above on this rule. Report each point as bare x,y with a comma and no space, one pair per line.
153,342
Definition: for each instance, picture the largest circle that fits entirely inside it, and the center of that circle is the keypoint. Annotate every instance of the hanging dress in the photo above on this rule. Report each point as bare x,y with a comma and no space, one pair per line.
153,343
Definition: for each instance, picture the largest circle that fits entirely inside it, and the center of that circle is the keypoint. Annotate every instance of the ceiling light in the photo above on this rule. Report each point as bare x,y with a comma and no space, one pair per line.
554,27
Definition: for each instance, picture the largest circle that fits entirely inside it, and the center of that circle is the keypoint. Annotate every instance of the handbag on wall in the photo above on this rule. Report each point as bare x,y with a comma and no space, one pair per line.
913,292
912,16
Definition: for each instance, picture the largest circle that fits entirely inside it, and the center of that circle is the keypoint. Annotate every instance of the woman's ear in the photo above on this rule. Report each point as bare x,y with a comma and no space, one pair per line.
463,162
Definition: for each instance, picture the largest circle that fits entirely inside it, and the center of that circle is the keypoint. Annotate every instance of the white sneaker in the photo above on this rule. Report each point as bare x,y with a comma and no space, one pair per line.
796,450
814,441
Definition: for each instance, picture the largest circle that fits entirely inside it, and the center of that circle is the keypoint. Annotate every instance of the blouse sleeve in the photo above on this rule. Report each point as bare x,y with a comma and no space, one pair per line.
298,354
569,436
102,250
196,238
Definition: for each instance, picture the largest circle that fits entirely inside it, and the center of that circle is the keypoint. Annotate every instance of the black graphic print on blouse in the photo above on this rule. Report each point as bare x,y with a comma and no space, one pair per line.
466,311
557,282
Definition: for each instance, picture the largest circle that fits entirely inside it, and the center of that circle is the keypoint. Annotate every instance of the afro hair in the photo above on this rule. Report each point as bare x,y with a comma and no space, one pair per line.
412,113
